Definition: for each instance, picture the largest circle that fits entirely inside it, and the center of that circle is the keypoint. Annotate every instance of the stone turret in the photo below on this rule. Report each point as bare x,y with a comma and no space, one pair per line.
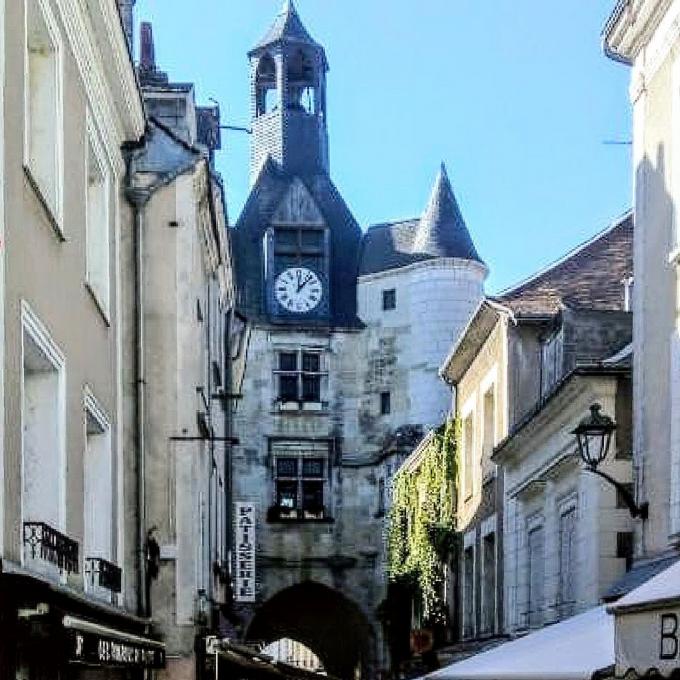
442,231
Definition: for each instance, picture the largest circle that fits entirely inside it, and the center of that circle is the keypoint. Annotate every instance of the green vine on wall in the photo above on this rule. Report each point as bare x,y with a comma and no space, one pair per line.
421,521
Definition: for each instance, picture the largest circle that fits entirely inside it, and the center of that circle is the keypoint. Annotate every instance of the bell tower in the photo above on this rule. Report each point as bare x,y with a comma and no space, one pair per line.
288,98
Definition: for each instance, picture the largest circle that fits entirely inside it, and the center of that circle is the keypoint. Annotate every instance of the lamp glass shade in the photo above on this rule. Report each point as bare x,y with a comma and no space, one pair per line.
594,436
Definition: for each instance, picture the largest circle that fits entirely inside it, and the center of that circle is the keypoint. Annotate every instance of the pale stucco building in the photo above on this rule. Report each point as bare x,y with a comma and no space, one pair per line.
69,587
538,534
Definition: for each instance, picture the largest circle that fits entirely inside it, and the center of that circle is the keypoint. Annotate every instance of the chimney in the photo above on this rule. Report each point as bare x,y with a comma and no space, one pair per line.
147,54
126,9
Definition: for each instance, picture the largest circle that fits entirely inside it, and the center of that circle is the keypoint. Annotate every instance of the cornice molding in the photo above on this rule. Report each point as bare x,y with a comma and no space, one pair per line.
644,28
113,98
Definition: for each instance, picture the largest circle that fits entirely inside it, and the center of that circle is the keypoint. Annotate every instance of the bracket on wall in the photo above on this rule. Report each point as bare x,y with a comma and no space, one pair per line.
641,511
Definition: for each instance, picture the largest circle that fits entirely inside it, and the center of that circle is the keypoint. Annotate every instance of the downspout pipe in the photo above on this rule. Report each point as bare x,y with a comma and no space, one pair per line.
138,197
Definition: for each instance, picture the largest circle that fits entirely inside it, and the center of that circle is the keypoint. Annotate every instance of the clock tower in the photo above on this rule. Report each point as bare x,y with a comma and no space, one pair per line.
298,243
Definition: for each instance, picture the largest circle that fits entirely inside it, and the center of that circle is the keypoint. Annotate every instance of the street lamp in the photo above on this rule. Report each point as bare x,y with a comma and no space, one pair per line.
594,436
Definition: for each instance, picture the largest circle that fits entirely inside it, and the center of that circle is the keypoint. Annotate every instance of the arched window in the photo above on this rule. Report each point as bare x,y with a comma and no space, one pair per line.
302,86
267,95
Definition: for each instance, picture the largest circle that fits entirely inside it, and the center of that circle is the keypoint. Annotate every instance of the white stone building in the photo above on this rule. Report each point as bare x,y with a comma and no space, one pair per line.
644,34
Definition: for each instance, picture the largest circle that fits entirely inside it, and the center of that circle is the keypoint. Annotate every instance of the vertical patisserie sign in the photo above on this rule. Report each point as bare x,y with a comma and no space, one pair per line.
245,552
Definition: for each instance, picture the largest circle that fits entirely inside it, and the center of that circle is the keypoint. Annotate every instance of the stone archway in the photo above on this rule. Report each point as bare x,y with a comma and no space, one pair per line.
324,620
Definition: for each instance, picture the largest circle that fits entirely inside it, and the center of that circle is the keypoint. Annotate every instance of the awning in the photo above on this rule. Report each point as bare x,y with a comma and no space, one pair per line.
253,665
91,644
575,649
648,626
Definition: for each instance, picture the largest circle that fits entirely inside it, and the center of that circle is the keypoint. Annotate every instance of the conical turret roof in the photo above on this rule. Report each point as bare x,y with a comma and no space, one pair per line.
441,230
287,27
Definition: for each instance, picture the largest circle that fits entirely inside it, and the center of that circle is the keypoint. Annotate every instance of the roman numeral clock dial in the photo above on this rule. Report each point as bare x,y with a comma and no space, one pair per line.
298,290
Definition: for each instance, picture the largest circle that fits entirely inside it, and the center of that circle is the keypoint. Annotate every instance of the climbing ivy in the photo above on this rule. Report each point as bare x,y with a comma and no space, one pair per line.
421,521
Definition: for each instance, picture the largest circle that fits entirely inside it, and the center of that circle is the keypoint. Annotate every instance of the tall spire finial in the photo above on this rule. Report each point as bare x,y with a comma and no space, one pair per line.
147,51
442,231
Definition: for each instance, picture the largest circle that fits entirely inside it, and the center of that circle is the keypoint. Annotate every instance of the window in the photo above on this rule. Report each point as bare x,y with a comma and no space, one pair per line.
389,299
299,376
489,584
300,80
98,231
267,98
468,451
489,423
42,104
536,571
98,494
43,427
295,246
381,497
628,292
300,477
624,547
567,592
468,592
385,403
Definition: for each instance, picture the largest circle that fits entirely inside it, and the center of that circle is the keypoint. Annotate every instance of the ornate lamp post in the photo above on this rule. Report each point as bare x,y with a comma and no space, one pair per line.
594,436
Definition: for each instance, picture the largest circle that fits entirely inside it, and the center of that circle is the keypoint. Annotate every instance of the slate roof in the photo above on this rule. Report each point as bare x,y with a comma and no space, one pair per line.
590,276
439,232
639,574
267,193
287,27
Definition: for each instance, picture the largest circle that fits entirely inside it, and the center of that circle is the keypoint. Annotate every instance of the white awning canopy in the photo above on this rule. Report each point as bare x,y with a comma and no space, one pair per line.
648,626
574,649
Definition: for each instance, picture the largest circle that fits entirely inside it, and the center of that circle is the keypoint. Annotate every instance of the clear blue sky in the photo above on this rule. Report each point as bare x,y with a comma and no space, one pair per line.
514,95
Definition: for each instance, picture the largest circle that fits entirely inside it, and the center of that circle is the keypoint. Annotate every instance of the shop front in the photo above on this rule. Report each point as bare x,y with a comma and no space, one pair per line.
53,633
647,638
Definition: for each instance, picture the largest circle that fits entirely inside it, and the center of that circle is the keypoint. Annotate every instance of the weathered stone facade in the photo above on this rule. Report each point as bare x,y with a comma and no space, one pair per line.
335,395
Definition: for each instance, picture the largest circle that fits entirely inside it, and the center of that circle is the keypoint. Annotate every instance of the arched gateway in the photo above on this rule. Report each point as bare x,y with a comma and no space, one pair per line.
324,620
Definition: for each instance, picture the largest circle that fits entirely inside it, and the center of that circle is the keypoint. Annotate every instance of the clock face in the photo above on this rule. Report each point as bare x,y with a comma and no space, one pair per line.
298,290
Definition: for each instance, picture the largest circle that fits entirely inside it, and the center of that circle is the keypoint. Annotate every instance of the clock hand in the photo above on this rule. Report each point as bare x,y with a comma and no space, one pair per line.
304,283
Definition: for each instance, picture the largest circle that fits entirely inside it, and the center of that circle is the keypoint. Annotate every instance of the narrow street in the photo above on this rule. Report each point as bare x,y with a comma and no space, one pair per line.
268,417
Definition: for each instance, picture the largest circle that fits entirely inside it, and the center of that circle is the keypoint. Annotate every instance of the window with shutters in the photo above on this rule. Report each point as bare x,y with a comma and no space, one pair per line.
567,557
468,456
301,474
43,116
489,432
469,592
489,583
536,574
98,222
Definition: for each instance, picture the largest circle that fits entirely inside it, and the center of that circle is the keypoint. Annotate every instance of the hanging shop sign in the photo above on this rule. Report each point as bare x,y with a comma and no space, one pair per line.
95,645
244,520
648,640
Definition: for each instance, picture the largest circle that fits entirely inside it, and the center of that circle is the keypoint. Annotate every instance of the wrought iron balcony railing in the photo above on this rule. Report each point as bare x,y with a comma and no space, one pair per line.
43,542
102,573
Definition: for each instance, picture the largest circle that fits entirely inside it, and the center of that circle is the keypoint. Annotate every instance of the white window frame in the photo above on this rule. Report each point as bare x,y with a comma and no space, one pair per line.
469,412
94,143
93,407
56,212
470,543
33,326
533,523
566,505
